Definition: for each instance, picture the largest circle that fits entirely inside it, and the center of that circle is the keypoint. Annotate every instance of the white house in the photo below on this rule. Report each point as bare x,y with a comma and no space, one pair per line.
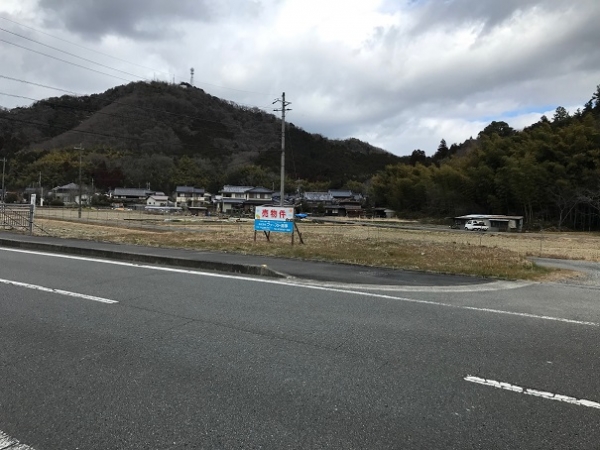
157,200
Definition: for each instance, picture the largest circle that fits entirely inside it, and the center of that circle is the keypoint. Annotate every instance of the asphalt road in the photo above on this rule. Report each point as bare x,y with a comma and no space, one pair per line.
96,355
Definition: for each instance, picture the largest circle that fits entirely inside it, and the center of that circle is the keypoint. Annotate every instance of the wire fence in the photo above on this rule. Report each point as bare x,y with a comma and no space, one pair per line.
584,246
569,245
19,217
107,216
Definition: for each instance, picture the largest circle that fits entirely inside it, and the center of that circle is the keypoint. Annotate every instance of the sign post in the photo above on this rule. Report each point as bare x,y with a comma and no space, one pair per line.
276,219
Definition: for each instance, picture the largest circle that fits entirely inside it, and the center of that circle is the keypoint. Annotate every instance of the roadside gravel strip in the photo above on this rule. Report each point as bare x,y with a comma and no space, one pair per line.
590,271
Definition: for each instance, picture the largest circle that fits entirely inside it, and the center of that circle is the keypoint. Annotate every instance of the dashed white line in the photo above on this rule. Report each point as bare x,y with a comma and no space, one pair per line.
532,392
57,291
9,443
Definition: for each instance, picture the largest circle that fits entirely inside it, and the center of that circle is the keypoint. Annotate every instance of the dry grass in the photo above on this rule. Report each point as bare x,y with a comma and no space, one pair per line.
501,255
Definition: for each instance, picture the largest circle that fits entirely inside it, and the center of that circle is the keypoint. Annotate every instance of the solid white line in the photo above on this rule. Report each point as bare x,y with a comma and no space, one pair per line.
306,286
449,305
483,287
8,443
533,392
57,291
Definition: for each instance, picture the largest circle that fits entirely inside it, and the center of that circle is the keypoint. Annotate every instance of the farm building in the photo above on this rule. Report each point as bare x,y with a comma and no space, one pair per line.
494,222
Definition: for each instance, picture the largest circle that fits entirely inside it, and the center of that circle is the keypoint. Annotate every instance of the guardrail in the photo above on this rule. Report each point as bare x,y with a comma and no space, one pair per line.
17,217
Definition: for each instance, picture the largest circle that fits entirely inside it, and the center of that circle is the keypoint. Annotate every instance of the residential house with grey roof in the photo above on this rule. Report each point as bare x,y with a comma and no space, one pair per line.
191,197
334,203
132,195
243,198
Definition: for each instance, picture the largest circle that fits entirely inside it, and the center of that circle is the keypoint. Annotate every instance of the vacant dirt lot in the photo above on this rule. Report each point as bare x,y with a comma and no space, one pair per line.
384,243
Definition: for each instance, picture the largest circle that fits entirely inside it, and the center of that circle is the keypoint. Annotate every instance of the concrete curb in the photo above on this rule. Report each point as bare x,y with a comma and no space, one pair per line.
190,263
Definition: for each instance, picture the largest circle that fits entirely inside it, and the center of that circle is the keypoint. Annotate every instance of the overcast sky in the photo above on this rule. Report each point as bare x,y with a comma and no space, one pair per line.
399,74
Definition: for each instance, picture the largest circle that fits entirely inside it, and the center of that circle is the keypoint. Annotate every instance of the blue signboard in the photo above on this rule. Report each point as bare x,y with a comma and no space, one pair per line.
274,225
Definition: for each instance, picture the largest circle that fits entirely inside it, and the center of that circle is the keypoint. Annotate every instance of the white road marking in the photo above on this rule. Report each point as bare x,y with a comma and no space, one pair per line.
57,291
306,286
8,443
483,287
533,392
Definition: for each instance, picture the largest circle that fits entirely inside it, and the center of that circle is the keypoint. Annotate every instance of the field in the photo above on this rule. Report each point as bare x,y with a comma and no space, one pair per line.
385,243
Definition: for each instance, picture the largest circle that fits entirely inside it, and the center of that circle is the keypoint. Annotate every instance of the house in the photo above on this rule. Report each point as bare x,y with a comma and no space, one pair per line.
320,203
69,193
334,203
159,203
340,195
131,195
157,200
258,196
191,196
243,197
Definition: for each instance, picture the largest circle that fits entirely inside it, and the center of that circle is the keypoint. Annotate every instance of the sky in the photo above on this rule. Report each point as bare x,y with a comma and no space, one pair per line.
399,74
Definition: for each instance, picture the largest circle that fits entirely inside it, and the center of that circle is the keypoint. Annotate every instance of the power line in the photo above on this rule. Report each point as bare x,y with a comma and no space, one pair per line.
87,132
64,60
120,116
71,54
83,47
68,129
39,85
125,104
116,58
160,111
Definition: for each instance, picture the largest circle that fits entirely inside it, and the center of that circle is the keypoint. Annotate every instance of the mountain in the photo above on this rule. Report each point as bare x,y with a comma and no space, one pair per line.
166,134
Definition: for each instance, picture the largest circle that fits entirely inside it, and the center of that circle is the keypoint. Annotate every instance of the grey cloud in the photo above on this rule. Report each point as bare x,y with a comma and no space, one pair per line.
556,55
452,13
139,19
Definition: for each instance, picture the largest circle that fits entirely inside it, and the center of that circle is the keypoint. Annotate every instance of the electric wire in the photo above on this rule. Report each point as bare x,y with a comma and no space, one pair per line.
119,116
39,85
13,119
64,60
162,111
73,54
129,62
85,48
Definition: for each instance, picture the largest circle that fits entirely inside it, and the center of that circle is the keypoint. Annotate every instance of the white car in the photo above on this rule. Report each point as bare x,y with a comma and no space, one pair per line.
475,225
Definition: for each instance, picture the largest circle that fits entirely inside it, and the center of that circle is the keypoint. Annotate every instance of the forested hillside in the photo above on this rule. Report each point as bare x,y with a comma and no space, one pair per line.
167,135
549,173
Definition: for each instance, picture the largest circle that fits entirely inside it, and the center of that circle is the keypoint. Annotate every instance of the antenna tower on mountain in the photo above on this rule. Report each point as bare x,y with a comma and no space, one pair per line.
192,76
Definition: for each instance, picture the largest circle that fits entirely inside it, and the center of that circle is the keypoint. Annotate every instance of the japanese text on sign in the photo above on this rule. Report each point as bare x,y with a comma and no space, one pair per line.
274,218
274,213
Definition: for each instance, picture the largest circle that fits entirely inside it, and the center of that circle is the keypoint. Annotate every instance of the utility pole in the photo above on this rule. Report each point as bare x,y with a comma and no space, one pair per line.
41,190
283,110
3,169
80,148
